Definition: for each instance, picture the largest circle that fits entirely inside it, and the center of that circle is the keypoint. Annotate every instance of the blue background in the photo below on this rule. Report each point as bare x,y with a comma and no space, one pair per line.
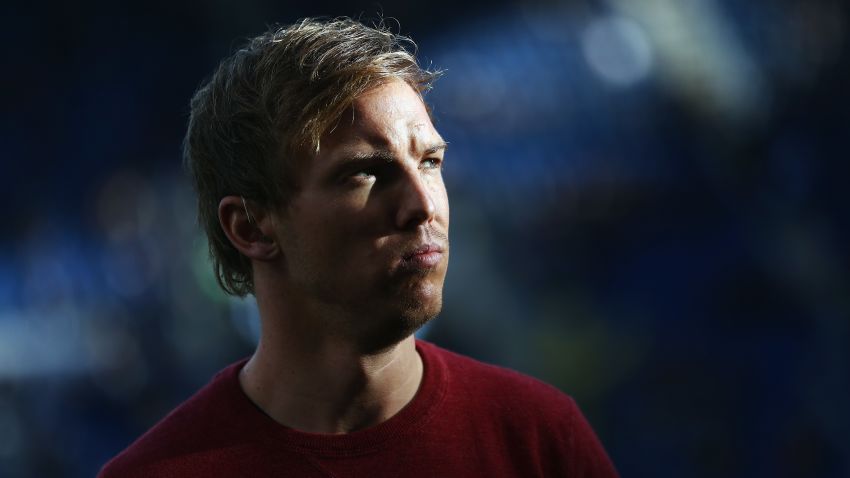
649,210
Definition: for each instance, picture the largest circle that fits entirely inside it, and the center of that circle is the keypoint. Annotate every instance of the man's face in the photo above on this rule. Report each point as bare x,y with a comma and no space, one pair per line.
366,235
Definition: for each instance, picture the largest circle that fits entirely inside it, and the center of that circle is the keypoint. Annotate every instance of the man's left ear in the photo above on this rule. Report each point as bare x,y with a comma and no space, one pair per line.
249,228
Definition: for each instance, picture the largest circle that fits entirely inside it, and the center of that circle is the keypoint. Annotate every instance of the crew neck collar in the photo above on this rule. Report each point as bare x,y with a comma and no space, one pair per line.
368,440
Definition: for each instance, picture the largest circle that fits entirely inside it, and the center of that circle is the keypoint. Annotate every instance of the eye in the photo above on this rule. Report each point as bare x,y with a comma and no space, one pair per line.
432,163
363,175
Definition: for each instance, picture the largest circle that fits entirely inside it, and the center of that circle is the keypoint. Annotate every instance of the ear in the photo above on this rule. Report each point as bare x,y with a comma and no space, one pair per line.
249,229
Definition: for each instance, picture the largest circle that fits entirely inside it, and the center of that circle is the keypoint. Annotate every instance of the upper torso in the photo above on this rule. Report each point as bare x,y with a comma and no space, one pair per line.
467,419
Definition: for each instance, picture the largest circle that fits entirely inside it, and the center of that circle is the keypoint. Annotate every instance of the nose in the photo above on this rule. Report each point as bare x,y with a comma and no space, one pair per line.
415,205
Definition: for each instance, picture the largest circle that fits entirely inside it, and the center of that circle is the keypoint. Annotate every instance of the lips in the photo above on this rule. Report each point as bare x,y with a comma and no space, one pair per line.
423,257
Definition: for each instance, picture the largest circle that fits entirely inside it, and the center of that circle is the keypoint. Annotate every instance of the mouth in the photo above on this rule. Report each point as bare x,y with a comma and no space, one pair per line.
422,258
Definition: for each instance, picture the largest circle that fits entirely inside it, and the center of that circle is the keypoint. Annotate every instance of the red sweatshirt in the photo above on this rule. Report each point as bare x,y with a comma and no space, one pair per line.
468,419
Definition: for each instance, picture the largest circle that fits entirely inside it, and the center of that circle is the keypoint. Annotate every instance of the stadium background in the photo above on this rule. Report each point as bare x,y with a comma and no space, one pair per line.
649,203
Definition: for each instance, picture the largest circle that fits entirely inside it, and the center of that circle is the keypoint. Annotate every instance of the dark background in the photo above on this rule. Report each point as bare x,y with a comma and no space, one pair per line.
649,210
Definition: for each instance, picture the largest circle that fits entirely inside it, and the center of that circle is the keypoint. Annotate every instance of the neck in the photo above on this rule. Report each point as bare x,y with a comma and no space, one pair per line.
321,383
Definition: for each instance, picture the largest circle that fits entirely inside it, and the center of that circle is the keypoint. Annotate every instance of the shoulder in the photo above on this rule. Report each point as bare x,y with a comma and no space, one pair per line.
473,376
524,411
500,388
195,426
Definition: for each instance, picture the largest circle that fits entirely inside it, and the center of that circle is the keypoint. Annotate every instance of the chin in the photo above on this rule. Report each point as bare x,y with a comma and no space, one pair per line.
401,321
405,307
422,304
415,317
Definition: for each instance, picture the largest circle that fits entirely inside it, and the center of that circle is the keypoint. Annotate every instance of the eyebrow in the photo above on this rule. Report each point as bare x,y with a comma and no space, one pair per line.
385,155
441,146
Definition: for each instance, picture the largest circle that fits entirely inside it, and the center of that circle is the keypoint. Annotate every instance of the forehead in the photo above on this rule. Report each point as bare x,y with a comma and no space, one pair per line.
391,116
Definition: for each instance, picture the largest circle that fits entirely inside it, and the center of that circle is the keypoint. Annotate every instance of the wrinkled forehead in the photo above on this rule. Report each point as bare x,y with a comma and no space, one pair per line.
389,116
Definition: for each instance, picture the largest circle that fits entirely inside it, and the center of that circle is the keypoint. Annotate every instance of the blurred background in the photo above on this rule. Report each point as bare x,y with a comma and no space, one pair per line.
649,203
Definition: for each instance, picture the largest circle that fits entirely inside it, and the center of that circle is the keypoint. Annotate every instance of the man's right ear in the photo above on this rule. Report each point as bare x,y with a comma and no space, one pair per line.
251,233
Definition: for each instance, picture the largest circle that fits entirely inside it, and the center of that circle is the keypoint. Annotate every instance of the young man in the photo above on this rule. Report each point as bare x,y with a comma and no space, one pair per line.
318,173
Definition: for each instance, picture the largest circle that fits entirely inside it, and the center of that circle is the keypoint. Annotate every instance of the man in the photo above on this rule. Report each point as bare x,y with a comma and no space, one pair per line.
318,173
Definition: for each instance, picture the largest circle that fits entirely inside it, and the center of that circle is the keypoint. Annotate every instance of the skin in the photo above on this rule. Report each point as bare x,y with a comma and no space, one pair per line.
349,269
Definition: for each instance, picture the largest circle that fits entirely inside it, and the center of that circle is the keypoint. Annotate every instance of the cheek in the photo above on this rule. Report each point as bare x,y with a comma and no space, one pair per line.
316,228
344,230
329,216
